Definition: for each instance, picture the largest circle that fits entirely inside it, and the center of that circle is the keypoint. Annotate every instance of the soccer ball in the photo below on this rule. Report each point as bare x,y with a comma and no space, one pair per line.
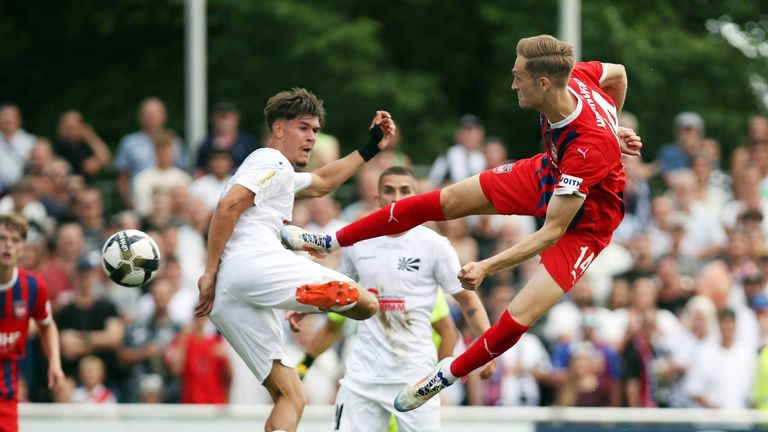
130,258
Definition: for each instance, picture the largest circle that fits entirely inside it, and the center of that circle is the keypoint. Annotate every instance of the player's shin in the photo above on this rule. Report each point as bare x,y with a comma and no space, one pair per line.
497,339
395,218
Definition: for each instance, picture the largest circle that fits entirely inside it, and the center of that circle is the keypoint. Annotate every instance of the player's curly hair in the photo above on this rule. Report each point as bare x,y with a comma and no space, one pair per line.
293,103
546,55
15,223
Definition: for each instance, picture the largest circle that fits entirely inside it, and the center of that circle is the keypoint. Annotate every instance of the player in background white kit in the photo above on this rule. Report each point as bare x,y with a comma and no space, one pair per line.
249,276
395,347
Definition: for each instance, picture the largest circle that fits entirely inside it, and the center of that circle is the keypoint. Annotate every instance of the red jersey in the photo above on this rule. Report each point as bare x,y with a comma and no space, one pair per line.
203,381
23,298
583,156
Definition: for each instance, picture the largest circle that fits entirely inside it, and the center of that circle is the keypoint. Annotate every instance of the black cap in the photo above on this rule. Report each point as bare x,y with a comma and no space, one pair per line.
469,121
85,263
224,106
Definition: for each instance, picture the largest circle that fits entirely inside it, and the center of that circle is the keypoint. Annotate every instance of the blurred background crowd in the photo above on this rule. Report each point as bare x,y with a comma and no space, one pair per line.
674,313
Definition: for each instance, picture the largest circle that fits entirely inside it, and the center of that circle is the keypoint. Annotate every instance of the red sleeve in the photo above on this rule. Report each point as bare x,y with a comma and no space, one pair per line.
592,71
41,311
582,167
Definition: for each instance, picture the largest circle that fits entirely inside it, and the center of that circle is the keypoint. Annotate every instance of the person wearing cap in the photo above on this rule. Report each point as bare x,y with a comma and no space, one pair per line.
465,158
689,134
226,136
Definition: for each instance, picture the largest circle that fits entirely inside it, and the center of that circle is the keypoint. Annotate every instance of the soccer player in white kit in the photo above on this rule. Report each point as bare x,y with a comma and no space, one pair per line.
395,347
249,275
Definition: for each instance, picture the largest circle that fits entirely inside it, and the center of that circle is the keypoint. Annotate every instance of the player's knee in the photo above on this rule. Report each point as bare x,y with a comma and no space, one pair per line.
367,305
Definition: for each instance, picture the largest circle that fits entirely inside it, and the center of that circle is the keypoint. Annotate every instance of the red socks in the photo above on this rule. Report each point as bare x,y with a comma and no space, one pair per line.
497,339
395,218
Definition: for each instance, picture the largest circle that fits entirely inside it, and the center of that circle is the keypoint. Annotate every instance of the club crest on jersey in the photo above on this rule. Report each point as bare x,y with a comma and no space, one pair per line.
19,309
265,179
501,169
408,264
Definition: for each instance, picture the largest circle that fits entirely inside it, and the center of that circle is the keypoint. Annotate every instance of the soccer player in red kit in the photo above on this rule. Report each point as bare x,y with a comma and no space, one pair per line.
576,184
22,296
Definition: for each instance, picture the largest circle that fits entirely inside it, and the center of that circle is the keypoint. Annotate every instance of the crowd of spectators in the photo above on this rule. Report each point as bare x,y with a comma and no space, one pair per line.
674,313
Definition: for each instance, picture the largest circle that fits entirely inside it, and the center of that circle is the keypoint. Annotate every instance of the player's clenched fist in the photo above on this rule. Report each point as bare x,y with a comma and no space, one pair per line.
471,276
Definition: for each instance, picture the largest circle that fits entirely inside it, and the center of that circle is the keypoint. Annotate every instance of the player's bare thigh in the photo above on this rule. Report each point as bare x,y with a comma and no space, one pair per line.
465,198
536,298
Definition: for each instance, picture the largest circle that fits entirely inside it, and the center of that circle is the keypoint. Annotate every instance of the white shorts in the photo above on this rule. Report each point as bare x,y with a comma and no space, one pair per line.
249,290
356,412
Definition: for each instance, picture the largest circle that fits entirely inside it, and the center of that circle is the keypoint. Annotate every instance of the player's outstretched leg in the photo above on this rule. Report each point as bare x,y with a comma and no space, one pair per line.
458,200
398,217
285,388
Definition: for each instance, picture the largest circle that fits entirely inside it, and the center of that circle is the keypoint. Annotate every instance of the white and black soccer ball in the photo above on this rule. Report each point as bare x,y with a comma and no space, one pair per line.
130,258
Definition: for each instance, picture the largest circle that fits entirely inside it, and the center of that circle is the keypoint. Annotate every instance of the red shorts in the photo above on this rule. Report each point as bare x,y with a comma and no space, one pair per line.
9,416
521,188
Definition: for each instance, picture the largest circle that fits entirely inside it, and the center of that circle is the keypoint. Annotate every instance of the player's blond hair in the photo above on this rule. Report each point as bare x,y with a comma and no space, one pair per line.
547,56
15,223
293,103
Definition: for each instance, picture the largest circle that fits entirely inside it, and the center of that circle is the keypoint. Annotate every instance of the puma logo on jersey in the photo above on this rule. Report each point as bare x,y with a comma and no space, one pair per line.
408,264
583,152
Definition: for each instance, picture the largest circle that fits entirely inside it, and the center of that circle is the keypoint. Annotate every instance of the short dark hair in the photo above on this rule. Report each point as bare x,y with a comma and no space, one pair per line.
726,314
15,223
397,170
293,103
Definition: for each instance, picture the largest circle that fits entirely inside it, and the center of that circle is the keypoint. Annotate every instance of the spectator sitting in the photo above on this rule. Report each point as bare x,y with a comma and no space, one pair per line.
721,375
92,388
22,201
163,174
78,144
465,158
689,133
226,138
59,271
208,188
145,343
89,210
15,146
495,152
89,325
151,389
199,357
367,191
582,385
40,157
134,154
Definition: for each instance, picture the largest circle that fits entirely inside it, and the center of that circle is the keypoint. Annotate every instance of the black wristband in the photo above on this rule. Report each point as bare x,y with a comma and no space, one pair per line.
371,148
308,360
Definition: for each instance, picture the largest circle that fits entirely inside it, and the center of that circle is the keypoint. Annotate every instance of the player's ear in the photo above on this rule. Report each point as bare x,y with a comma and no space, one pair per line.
277,128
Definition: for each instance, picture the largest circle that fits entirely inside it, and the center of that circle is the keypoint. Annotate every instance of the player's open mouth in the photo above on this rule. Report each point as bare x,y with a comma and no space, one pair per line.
306,151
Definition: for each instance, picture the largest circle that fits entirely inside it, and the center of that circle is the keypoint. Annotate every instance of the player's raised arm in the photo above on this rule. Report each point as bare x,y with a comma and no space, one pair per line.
329,177
614,83
560,213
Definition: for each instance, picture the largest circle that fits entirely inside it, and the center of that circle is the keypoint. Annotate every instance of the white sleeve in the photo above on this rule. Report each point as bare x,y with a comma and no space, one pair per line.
347,264
604,74
301,181
447,266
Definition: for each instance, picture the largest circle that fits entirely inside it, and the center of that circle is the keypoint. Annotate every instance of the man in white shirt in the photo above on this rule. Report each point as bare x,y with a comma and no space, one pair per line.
208,188
395,347
249,276
15,146
161,176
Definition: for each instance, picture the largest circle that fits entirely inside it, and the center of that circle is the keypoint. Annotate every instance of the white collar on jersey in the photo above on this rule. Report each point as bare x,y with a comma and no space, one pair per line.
572,116
5,286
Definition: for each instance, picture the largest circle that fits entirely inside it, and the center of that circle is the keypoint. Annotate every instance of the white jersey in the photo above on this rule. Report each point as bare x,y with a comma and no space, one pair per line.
395,346
270,176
